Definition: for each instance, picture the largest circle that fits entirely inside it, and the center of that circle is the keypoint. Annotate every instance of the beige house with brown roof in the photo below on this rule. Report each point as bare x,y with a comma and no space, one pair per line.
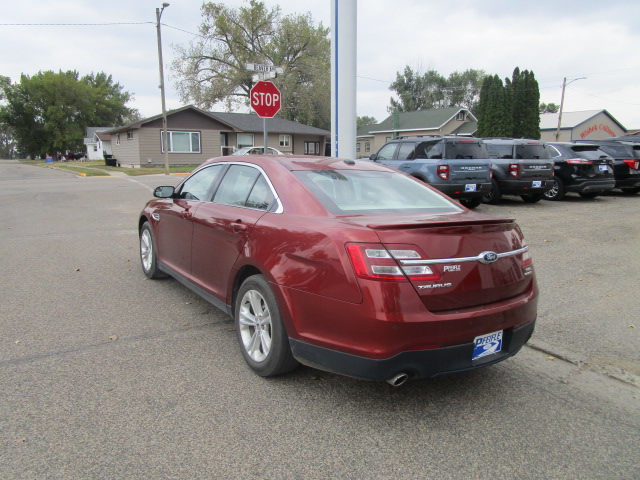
439,121
196,135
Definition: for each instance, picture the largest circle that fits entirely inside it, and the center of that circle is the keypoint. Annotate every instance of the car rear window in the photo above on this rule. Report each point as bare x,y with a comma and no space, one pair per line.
618,151
532,150
358,192
589,153
466,149
500,151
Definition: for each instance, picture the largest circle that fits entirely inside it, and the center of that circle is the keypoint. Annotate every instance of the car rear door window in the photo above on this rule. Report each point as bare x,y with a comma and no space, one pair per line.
245,186
406,151
197,186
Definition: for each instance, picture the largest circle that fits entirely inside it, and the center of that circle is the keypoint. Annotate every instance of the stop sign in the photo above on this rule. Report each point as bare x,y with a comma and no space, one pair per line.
265,99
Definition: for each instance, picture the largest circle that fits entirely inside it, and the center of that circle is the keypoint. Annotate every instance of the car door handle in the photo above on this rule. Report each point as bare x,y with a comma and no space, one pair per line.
238,227
187,214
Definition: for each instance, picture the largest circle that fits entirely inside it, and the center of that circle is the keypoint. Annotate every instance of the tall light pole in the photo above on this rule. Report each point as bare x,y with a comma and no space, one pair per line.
165,138
564,85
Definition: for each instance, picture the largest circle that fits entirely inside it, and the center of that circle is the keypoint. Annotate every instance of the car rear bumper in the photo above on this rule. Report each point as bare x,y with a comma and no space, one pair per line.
417,364
629,182
459,190
524,187
589,186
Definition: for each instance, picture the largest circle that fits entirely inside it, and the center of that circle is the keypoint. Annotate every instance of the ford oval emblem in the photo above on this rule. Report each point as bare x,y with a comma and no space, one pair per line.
487,257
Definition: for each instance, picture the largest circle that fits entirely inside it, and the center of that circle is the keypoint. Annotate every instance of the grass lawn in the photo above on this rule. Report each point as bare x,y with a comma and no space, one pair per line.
99,169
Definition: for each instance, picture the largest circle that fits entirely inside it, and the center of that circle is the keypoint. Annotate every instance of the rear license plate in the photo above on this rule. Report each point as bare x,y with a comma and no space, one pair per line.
486,345
602,168
470,187
536,184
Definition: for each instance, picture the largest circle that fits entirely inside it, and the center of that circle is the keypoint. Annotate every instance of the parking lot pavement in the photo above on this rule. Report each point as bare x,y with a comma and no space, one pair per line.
587,263
106,374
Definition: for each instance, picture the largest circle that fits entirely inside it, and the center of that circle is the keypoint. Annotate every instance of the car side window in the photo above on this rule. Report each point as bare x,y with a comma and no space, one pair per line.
197,186
244,186
406,151
433,150
554,151
386,152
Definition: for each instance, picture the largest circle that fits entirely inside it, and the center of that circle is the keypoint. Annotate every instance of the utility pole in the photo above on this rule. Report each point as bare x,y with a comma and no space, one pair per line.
564,85
165,137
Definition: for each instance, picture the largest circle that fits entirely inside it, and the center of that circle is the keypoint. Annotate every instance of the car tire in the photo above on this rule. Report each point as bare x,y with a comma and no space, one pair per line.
588,194
148,255
494,196
630,191
260,330
471,203
557,191
533,198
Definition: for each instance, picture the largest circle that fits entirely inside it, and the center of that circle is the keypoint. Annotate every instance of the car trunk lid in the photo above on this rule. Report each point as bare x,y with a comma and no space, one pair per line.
474,259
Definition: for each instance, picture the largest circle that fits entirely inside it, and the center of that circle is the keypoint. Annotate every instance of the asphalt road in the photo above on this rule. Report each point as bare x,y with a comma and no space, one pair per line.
105,374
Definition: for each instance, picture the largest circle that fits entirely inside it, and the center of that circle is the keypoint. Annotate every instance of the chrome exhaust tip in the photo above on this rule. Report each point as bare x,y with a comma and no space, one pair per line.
398,379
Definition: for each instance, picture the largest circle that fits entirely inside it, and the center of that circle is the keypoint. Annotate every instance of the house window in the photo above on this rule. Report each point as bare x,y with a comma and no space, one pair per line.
388,139
358,147
460,116
312,148
367,146
245,140
181,142
285,140
95,148
117,139
130,135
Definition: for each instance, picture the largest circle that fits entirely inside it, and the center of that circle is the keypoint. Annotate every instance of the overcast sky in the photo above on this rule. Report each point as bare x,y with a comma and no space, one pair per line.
568,38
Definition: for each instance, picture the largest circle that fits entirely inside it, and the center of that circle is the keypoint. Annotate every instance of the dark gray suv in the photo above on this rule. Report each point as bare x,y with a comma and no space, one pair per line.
520,167
457,166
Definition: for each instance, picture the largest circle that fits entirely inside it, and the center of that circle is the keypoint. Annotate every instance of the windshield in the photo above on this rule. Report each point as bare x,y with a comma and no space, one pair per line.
356,192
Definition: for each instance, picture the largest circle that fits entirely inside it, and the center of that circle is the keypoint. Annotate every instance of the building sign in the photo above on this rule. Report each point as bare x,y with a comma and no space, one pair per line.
594,128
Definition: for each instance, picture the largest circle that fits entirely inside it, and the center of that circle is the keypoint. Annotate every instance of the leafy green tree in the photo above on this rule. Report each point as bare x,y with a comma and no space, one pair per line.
549,108
212,69
464,88
6,132
49,111
365,121
417,90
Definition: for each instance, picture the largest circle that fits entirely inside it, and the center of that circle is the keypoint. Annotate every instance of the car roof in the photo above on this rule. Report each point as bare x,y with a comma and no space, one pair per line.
293,163
512,141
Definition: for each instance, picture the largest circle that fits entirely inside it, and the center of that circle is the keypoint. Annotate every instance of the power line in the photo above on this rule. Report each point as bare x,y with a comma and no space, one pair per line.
72,24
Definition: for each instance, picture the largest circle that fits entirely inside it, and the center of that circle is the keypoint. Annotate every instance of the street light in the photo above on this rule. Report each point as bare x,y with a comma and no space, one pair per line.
165,138
564,85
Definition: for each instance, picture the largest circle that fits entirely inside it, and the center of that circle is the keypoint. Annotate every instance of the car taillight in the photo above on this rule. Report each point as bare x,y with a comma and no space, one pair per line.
514,170
527,261
579,161
443,172
633,164
373,261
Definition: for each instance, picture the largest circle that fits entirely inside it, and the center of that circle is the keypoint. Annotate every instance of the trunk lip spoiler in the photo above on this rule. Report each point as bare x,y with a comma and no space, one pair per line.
445,223
478,258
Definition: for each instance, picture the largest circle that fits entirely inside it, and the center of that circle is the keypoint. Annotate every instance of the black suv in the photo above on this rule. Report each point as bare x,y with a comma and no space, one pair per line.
457,166
582,168
626,163
520,167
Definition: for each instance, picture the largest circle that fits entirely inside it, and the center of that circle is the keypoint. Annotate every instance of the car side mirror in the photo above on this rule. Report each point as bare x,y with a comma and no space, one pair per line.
164,192
373,156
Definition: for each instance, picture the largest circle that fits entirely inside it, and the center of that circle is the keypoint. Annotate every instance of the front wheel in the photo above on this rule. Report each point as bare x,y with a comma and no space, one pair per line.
148,256
557,192
261,333
471,203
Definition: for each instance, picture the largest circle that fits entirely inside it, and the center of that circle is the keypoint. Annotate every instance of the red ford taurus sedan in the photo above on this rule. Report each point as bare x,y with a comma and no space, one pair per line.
343,265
